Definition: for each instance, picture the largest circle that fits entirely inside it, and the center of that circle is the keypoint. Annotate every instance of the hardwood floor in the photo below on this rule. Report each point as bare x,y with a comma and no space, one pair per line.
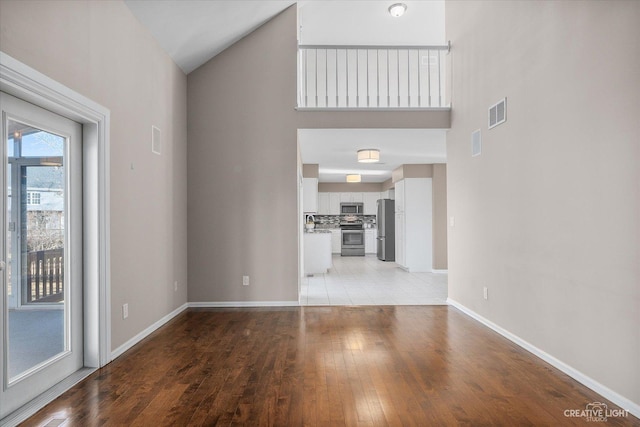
321,366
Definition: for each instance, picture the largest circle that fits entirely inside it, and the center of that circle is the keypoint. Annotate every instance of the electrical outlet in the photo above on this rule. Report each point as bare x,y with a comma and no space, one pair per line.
125,311
245,280
486,292
175,286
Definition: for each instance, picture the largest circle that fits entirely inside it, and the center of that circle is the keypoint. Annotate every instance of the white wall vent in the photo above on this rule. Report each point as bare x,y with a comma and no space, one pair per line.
155,140
476,143
498,113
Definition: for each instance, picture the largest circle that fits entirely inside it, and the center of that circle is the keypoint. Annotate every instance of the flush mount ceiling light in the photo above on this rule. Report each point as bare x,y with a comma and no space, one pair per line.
354,178
397,9
369,155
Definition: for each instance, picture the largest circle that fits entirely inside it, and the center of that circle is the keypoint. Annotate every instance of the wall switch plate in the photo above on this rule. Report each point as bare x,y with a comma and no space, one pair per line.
175,286
245,280
125,311
486,292
452,222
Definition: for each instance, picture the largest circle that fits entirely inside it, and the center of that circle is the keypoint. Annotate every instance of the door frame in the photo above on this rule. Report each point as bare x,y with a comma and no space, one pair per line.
24,82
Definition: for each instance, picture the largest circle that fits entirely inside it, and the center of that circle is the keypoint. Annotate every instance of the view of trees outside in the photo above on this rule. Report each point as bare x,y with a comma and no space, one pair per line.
45,208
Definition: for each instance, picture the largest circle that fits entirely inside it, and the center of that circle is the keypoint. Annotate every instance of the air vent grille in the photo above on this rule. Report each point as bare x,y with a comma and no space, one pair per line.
498,113
155,140
476,143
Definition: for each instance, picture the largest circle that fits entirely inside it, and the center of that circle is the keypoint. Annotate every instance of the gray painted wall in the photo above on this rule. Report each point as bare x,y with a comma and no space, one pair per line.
548,217
100,50
243,167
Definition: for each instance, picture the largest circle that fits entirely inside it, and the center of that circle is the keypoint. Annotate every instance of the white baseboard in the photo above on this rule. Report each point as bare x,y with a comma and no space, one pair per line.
240,304
143,334
440,271
623,402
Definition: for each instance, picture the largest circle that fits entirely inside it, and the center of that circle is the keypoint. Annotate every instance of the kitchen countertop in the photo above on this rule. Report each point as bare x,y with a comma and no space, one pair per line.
317,231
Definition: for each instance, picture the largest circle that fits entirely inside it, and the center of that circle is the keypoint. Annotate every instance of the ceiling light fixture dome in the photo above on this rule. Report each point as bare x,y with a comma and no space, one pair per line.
397,9
354,178
369,155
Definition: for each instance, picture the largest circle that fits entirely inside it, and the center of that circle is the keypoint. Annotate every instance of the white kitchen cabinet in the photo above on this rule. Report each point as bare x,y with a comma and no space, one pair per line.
370,203
334,203
310,195
336,241
370,236
414,234
317,253
323,204
351,197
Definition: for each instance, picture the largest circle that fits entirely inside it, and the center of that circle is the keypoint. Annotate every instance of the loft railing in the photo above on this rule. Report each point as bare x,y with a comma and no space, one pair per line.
387,77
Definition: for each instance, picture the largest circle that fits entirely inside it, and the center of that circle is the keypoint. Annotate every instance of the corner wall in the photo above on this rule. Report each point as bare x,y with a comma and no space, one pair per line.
548,217
242,169
98,49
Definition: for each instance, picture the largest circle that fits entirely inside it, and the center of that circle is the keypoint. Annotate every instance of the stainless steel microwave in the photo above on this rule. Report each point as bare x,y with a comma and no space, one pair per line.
351,208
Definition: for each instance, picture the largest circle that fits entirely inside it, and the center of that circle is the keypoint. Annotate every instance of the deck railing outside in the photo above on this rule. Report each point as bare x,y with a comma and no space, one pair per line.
45,276
371,76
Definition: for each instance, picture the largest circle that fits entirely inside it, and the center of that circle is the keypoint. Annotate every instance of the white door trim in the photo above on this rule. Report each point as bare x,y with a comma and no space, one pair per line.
24,82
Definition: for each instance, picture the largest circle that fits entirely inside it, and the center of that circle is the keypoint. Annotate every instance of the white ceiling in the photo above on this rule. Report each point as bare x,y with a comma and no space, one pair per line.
194,31
362,22
335,150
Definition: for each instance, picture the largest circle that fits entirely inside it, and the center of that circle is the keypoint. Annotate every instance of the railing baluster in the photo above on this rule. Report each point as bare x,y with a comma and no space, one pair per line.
337,78
419,85
398,76
346,56
388,82
357,77
439,81
378,77
326,78
367,77
408,78
306,79
429,74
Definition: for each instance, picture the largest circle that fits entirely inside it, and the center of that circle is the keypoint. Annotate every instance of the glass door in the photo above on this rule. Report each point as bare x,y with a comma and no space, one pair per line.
41,251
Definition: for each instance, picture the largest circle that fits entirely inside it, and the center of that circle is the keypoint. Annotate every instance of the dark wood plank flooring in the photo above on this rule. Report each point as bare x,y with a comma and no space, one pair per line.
325,366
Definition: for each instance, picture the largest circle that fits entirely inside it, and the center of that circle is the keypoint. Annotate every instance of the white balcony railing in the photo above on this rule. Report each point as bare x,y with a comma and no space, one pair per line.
390,77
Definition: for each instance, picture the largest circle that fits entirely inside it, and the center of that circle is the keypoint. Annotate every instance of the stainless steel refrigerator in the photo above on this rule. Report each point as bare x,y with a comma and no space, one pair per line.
386,230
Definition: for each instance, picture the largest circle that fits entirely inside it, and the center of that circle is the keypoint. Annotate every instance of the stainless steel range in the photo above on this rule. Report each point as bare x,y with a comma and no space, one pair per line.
352,236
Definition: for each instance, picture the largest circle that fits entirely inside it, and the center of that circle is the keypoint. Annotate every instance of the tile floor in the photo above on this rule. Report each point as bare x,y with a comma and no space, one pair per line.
369,281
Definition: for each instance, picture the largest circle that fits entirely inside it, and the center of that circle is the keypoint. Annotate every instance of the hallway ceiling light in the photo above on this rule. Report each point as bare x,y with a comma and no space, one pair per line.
369,155
354,178
397,9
